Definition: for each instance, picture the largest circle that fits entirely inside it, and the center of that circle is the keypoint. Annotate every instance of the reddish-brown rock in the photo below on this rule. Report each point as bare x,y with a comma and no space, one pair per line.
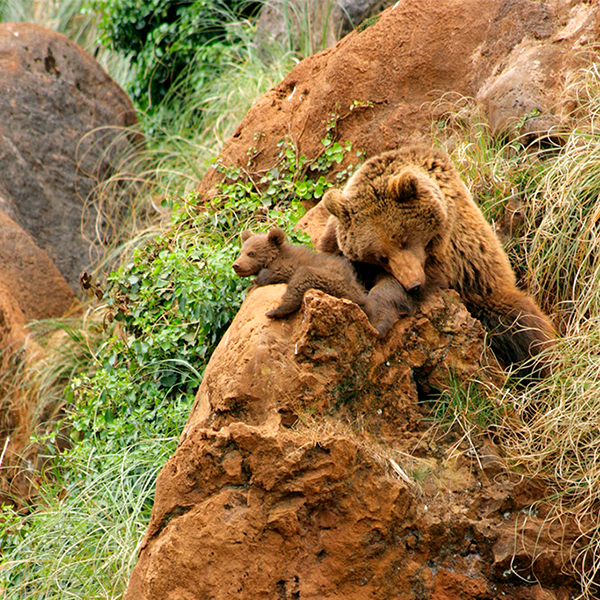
31,287
61,134
327,360
385,81
292,478
31,283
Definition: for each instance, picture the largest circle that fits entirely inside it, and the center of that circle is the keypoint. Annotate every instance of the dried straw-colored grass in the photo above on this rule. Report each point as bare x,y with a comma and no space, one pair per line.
552,430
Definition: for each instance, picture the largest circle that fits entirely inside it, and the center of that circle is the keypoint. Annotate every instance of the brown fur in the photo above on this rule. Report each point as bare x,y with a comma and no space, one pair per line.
408,212
274,260
386,301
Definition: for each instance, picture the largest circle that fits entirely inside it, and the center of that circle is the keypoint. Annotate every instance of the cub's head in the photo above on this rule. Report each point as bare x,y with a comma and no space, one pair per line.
258,251
390,217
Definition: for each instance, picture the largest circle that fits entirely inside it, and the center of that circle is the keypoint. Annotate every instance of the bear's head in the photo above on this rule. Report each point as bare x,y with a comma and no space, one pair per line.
391,218
258,251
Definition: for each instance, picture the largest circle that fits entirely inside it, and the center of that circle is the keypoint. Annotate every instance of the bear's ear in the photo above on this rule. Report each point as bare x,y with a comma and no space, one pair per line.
276,236
246,234
335,203
403,186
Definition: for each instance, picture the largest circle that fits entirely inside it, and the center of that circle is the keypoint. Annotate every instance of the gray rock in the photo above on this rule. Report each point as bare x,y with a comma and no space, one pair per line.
61,133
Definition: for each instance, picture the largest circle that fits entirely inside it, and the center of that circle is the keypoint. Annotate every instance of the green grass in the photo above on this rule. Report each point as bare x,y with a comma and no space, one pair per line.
92,514
551,429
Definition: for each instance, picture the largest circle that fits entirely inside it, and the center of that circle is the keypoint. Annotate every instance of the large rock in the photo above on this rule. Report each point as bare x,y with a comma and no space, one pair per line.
31,288
293,478
385,81
61,133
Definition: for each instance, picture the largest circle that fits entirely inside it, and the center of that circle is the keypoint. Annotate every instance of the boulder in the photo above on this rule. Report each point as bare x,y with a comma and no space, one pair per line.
385,81
31,286
62,121
306,469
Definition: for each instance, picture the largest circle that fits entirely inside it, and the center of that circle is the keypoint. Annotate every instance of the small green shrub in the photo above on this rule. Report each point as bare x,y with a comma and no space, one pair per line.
166,40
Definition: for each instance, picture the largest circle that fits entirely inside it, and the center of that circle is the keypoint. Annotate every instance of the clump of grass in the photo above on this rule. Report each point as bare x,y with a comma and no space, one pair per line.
563,230
551,429
32,387
79,541
550,191
557,438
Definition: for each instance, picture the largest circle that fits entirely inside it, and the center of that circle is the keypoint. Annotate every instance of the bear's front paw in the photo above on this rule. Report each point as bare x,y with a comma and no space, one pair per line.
277,313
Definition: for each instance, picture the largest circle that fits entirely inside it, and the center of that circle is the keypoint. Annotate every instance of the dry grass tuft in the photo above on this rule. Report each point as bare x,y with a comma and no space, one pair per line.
544,200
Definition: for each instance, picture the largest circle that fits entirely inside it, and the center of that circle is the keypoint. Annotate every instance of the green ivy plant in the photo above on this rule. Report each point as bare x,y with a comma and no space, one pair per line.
293,178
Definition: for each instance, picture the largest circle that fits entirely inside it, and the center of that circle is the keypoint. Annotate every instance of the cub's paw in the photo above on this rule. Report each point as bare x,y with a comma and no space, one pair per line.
383,326
278,313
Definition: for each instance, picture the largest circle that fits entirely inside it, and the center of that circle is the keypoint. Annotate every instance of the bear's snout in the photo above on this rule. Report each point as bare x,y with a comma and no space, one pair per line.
240,270
408,268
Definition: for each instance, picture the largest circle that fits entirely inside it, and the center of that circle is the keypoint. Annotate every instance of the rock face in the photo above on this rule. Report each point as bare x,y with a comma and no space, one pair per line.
61,120
385,81
290,479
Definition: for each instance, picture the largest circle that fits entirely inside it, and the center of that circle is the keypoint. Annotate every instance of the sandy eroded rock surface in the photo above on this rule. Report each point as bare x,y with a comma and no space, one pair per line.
388,80
292,477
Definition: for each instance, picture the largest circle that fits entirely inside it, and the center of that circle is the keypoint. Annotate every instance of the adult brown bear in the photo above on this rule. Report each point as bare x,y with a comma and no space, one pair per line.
408,212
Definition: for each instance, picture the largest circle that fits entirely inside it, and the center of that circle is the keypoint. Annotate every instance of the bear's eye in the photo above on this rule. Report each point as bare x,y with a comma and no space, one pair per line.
251,254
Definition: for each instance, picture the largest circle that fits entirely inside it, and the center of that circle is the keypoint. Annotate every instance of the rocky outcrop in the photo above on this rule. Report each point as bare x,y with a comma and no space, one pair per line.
306,470
31,286
61,134
385,81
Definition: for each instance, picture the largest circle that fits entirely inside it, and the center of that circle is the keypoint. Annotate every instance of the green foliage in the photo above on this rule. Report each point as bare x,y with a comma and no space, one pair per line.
367,23
293,178
169,39
172,302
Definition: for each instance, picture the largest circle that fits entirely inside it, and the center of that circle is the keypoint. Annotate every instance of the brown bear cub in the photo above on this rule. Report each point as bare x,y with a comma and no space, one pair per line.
274,260
408,212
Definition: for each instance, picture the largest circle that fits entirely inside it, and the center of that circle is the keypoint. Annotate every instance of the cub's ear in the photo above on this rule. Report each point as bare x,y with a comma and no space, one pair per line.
276,236
246,234
335,203
403,186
